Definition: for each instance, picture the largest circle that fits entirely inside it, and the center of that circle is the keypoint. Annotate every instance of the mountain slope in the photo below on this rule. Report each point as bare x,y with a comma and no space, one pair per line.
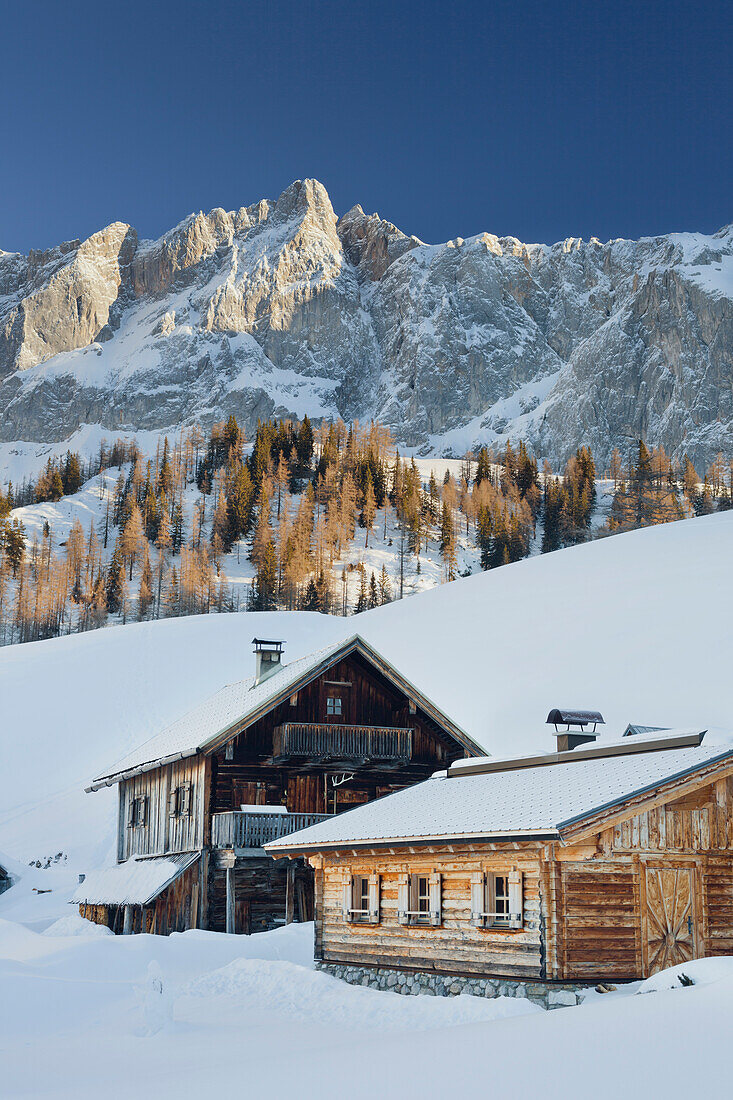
634,625
280,307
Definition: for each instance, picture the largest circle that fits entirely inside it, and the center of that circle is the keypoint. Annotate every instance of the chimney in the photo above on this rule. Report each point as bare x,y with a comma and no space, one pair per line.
577,727
268,657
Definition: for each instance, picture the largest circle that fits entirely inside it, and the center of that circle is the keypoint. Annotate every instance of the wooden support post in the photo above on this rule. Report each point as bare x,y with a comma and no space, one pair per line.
290,892
127,922
230,900
143,920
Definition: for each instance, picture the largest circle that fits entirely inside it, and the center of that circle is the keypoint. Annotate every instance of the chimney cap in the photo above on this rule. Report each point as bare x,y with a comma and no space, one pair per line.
262,644
581,718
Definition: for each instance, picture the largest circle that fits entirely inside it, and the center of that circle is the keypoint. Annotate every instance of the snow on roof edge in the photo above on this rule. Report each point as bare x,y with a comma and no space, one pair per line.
131,764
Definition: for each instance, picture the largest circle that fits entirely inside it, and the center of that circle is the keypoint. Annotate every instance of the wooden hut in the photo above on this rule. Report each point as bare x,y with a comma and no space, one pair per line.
599,864
291,746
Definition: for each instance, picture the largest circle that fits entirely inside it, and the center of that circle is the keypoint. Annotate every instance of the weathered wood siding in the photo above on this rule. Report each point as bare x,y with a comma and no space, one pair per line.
456,946
600,916
260,889
175,910
251,776
161,832
588,906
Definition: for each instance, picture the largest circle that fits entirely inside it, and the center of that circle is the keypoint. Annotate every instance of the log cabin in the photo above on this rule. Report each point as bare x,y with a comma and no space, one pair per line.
291,746
595,864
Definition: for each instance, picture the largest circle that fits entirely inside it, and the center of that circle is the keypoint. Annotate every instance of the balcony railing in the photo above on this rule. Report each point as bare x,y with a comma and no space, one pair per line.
315,740
245,829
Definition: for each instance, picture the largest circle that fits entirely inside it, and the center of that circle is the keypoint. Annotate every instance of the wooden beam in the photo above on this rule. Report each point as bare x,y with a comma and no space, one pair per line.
290,892
230,900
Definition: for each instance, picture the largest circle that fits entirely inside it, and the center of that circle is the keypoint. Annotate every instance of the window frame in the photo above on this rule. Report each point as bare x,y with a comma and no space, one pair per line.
417,908
137,813
358,889
338,706
495,913
180,801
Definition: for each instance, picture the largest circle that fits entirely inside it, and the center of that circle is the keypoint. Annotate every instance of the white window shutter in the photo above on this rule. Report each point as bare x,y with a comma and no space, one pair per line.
143,814
516,899
173,802
348,898
186,799
478,899
403,899
374,899
131,805
436,901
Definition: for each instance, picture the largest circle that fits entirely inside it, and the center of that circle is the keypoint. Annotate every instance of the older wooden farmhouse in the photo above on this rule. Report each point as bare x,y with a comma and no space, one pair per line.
293,745
601,863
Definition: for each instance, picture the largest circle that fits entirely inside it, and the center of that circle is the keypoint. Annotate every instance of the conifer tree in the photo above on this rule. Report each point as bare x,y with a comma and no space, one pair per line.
368,508
373,598
362,601
116,580
385,587
145,591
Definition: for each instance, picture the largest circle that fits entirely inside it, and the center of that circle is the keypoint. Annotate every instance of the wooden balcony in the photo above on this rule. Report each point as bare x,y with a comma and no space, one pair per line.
325,741
246,829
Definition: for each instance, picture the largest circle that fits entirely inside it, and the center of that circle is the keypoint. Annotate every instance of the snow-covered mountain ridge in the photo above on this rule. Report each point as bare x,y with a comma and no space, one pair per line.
283,308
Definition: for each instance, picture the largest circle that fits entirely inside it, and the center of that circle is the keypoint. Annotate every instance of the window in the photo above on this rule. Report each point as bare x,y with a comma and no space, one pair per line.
497,899
419,899
333,706
502,912
361,899
422,899
137,812
180,801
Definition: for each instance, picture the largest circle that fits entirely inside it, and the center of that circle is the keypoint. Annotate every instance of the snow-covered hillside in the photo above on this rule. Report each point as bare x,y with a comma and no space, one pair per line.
634,625
281,307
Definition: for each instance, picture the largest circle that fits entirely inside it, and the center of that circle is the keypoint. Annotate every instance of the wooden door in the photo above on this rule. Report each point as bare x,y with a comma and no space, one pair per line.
670,917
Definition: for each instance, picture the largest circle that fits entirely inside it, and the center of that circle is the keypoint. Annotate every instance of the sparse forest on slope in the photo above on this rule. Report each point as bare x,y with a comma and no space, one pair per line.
330,520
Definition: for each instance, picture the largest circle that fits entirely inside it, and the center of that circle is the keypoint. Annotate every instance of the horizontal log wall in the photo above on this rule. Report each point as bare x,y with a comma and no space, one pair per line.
601,924
454,947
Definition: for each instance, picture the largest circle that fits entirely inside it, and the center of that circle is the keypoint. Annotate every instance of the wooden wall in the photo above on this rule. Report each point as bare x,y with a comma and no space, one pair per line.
175,910
260,894
585,906
249,777
454,947
163,833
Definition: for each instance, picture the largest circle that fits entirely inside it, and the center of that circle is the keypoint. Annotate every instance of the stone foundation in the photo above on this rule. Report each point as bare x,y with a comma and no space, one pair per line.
545,994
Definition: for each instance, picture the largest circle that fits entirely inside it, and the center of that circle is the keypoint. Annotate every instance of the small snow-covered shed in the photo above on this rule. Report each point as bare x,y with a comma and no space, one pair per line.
602,863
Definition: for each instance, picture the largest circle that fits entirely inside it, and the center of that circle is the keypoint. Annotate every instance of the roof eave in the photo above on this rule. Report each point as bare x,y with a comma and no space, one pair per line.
273,848
570,822
129,773
355,642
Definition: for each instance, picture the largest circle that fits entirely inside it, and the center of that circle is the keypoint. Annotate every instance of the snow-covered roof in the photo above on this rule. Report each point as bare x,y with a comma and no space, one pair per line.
136,882
531,802
238,705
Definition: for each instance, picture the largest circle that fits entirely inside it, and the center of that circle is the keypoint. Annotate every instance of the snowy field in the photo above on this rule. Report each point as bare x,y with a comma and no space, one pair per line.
84,1013
637,625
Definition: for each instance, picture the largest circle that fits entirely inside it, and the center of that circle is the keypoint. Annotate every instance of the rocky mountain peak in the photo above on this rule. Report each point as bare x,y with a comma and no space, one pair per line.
280,307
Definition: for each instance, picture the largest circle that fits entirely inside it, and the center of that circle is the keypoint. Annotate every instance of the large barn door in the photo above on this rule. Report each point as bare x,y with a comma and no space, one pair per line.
670,917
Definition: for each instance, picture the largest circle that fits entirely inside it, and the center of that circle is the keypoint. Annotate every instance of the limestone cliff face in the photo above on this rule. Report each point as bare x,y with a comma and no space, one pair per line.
280,307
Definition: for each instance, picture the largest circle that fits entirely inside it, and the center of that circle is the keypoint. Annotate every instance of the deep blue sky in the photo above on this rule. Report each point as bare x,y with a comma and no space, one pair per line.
538,119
